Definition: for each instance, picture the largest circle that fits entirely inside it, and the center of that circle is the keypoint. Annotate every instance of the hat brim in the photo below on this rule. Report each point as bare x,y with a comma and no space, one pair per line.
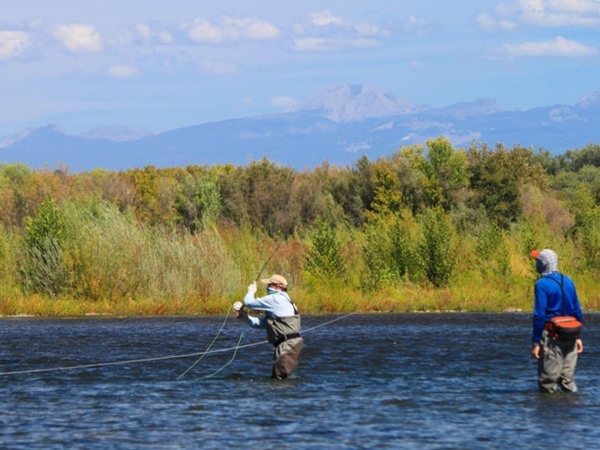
535,254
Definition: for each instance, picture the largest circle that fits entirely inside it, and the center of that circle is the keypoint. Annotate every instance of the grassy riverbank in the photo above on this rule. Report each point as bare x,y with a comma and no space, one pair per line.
112,266
441,230
480,297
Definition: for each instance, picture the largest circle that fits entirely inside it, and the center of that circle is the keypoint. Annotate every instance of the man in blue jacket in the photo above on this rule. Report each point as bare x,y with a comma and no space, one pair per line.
555,295
281,320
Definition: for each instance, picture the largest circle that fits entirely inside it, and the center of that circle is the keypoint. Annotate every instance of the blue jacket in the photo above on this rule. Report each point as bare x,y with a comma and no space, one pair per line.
549,301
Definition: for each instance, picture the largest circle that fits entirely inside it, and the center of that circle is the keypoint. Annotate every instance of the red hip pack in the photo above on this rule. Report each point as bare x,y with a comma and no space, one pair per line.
564,328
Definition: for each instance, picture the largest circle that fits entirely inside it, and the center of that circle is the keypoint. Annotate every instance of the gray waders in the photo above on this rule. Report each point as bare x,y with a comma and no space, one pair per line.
284,334
556,366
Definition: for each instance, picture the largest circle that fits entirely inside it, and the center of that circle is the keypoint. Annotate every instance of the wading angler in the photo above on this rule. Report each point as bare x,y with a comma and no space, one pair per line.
557,325
280,319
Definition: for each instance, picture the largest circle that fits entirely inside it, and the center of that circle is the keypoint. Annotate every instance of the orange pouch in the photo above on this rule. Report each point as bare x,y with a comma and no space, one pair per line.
565,328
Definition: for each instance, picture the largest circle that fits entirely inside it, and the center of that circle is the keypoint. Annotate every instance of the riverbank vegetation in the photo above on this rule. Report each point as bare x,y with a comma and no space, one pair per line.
430,228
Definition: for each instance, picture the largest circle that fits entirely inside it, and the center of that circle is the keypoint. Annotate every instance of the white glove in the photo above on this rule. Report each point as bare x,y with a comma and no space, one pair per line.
252,288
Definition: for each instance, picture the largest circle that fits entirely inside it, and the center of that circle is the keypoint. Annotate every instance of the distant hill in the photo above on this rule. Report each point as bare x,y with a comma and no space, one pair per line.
338,125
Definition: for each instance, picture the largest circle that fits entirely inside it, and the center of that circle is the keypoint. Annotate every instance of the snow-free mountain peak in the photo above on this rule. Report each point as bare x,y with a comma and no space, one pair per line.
354,102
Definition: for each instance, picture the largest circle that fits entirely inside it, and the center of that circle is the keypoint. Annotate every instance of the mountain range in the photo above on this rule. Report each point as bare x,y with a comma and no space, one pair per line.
337,125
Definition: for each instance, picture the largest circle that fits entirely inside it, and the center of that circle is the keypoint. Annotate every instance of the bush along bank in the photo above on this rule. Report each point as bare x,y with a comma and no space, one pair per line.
449,230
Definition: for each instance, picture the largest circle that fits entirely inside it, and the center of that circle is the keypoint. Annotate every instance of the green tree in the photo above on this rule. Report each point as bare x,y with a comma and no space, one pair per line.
435,249
388,198
324,258
198,198
496,178
362,181
445,171
43,267
376,251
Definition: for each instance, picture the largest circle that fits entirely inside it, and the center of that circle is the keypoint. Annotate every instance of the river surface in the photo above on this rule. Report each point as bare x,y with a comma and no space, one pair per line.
413,381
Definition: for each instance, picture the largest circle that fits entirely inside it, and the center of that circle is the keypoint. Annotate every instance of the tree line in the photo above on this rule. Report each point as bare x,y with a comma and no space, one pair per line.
431,219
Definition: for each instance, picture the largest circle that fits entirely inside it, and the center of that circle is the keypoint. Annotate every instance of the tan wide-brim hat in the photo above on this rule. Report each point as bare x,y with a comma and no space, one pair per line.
275,279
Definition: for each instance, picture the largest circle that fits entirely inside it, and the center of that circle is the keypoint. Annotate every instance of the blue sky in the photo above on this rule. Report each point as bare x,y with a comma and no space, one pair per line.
158,65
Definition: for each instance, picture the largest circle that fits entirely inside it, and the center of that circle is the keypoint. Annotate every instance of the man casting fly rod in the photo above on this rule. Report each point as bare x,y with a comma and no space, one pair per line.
281,320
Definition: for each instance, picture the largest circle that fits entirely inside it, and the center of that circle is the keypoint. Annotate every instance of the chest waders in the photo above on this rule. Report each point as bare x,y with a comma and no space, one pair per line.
556,366
284,334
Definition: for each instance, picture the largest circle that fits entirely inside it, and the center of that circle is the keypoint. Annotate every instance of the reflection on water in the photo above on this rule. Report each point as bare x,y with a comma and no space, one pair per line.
368,381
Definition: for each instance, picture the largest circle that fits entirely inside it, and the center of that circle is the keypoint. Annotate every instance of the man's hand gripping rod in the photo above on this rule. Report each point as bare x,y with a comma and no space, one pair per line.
239,306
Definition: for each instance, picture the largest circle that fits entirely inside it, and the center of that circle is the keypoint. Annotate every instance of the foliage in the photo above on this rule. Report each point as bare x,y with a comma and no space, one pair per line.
387,195
389,253
496,177
492,251
43,265
324,259
436,248
425,228
377,256
590,240
445,172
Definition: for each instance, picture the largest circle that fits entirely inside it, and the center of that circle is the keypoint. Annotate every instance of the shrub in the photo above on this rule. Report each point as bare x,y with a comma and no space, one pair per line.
43,268
435,249
324,259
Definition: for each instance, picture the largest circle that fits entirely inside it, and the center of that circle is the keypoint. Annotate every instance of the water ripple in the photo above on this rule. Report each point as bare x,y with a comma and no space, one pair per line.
440,381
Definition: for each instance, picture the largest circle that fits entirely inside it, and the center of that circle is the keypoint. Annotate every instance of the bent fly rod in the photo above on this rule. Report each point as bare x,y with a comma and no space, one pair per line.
262,269
236,306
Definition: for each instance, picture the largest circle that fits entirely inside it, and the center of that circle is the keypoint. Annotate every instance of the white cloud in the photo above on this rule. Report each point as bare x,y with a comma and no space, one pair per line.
206,32
232,29
577,6
325,32
164,37
560,47
122,71
144,31
314,44
357,147
148,35
317,44
13,44
554,13
487,22
543,13
79,38
325,18
416,26
369,29
250,28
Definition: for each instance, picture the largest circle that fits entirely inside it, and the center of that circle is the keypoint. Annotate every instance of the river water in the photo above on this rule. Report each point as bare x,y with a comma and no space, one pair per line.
414,381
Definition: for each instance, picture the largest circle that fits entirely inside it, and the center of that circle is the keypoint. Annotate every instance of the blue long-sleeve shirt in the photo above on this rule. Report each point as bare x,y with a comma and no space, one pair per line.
549,301
276,303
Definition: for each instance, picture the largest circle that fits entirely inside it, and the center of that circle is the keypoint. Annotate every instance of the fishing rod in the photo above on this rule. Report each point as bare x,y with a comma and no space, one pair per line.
237,306
262,269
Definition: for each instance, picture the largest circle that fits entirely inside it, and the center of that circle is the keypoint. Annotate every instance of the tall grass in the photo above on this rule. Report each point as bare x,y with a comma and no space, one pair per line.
112,257
113,264
10,291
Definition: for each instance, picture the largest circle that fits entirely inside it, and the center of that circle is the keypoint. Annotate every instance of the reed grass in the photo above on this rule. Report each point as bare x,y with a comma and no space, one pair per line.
117,266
